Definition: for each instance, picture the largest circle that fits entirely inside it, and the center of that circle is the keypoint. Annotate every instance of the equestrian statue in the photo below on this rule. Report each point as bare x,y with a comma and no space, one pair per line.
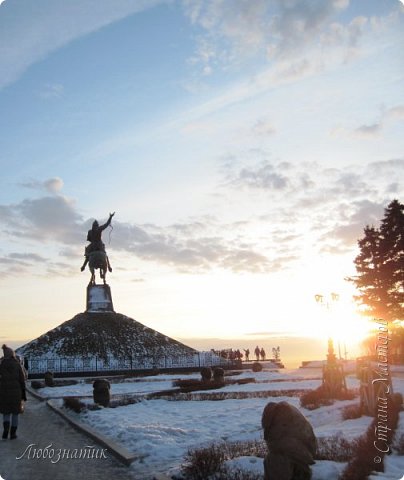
95,254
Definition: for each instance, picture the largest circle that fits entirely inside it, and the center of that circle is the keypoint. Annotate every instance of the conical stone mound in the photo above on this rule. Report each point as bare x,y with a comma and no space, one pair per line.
103,335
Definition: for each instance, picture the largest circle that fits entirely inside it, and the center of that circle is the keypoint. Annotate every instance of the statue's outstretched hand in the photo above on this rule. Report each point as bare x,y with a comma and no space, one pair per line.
112,214
82,269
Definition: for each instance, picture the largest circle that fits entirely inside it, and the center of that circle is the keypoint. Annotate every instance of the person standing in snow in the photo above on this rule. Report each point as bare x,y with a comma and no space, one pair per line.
12,391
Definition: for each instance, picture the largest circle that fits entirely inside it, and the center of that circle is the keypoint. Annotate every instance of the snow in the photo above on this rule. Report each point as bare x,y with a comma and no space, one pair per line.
86,389
249,464
162,431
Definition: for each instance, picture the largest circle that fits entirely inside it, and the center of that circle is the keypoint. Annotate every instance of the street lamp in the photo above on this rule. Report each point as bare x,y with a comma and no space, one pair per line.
333,374
327,302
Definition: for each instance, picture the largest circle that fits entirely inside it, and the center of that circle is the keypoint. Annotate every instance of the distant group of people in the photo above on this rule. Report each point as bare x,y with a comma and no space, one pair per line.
231,354
259,352
12,391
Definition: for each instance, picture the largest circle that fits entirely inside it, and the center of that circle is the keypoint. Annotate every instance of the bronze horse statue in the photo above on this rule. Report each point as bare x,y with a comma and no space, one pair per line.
97,260
94,253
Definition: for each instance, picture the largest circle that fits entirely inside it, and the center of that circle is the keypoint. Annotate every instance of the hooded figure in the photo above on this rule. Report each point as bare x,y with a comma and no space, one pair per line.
291,443
12,391
94,235
96,244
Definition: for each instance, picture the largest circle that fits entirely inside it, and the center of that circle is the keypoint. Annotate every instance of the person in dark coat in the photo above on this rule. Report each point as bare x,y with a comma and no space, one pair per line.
12,391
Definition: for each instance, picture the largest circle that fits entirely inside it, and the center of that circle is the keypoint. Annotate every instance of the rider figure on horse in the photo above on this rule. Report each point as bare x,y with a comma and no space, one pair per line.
96,244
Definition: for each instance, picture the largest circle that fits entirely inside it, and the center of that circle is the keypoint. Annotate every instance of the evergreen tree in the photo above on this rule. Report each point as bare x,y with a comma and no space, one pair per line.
380,266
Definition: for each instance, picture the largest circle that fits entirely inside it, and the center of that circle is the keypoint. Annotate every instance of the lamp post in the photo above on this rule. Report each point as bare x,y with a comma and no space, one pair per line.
333,374
327,302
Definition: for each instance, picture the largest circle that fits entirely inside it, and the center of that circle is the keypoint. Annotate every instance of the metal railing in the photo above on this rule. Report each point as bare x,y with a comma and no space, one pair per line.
40,365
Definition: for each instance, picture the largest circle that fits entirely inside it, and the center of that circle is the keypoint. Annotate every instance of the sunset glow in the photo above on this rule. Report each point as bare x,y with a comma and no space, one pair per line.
243,147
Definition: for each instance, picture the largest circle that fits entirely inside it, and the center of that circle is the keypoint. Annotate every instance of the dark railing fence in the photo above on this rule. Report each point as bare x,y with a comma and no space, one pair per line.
111,363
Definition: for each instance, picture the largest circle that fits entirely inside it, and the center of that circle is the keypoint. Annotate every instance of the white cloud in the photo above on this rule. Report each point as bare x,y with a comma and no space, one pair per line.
275,28
373,130
54,185
45,218
51,185
396,113
30,32
55,90
368,131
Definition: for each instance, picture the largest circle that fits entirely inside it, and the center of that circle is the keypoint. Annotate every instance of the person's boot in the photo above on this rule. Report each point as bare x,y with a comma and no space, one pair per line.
6,426
13,434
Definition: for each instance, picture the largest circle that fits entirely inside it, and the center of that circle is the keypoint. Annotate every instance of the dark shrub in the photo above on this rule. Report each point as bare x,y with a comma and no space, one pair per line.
315,398
64,383
335,448
226,473
201,463
362,463
207,462
351,412
37,384
398,400
398,444
319,397
74,404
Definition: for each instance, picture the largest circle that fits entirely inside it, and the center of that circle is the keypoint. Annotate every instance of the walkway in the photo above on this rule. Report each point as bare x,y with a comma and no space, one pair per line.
42,427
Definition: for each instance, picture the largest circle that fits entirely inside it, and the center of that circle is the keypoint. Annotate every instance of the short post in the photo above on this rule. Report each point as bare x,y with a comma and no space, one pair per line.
101,393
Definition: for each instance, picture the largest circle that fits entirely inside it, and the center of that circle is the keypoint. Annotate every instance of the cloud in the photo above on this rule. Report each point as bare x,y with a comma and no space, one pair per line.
263,127
278,29
51,185
54,90
44,218
17,263
396,112
28,257
28,35
373,130
345,234
264,176
187,248
368,131
386,168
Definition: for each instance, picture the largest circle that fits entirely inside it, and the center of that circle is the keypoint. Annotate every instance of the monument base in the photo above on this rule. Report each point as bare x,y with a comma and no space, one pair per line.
99,298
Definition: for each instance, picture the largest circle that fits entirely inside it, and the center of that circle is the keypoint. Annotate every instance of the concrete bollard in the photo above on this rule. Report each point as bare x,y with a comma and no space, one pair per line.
206,374
218,375
101,394
49,382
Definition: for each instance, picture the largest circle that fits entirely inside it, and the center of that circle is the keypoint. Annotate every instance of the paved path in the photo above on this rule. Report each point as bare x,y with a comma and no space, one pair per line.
41,426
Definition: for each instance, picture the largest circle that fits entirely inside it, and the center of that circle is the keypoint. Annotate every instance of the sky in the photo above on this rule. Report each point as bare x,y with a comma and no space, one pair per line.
244,146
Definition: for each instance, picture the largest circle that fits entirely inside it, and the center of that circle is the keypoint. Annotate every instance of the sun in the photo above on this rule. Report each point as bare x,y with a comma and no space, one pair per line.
345,326
341,322
351,328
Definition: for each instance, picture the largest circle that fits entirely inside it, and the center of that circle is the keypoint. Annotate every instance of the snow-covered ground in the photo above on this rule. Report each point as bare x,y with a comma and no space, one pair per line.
83,389
162,431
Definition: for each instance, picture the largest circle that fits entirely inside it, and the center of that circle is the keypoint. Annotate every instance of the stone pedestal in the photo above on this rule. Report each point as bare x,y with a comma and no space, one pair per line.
99,298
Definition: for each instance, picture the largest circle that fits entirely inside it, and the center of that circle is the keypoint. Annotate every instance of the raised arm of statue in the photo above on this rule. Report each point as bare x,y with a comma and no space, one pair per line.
108,222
